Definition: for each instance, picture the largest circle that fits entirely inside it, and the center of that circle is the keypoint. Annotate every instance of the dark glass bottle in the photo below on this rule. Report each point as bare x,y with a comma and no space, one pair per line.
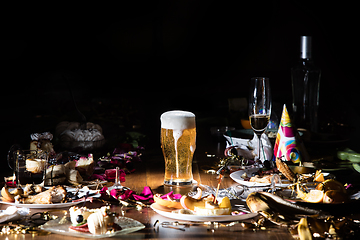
305,78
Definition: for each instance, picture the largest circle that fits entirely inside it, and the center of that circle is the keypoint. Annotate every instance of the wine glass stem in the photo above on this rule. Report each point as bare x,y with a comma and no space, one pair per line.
259,150
117,178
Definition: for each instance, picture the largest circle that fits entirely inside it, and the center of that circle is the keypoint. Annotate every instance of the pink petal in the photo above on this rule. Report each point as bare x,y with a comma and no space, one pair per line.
111,175
98,176
141,198
171,195
127,194
115,193
147,191
103,192
146,194
122,175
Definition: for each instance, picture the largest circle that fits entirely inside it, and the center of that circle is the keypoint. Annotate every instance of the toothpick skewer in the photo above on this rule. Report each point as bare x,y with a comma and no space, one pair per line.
218,187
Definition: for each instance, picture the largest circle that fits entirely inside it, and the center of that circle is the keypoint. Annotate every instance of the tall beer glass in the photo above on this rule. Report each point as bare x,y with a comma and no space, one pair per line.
178,143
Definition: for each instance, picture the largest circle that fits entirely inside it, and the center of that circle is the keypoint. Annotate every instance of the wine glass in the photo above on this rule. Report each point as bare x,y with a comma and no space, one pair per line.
117,184
259,107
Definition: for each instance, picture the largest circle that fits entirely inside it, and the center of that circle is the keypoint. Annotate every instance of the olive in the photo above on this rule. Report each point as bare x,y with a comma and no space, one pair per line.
267,164
234,152
72,196
79,218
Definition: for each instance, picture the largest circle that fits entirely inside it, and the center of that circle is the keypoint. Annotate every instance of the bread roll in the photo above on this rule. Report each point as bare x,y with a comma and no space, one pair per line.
35,165
74,176
69,165
55,171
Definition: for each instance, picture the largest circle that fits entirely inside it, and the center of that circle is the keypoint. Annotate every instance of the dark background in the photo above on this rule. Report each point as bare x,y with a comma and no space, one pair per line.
127,63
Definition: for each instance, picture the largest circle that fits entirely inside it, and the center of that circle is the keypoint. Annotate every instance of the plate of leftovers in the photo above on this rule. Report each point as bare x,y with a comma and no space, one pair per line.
254,177
92,223
36,196
176,214
198,208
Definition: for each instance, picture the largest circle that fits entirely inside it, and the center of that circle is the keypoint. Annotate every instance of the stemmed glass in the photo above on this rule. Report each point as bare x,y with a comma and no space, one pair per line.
117,184
259,107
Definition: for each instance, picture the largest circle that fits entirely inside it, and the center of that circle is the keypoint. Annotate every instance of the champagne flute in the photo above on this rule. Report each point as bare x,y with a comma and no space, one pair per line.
259,107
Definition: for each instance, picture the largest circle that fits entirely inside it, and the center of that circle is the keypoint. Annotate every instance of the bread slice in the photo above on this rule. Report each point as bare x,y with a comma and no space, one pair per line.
74,176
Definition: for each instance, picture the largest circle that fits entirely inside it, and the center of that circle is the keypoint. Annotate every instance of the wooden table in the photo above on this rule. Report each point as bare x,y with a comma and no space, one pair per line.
150,172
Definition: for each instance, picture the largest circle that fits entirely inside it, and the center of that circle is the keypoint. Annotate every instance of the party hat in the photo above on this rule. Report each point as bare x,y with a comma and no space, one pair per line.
285,144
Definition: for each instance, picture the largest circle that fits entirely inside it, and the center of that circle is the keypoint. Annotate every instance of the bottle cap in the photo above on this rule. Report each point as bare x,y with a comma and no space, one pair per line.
305,47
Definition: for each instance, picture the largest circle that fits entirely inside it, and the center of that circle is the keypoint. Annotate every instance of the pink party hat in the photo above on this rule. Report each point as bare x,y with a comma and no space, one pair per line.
285,144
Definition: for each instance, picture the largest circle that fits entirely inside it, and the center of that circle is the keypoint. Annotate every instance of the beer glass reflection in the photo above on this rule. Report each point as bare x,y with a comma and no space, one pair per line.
178,143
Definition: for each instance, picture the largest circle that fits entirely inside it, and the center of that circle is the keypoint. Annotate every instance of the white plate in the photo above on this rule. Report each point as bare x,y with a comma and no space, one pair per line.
236,176
47,206
127,225
55,205
198,218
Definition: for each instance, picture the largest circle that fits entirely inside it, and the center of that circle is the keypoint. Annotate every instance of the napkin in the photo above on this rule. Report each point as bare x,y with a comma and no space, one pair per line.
243,147
13,213
286,146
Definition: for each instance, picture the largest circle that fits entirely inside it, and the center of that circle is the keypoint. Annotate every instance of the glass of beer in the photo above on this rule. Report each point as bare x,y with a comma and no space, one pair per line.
178,143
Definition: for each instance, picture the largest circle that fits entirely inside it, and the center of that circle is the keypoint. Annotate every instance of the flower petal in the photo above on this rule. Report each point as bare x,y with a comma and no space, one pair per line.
171,195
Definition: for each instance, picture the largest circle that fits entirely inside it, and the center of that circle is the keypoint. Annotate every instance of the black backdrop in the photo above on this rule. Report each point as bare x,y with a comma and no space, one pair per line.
143,58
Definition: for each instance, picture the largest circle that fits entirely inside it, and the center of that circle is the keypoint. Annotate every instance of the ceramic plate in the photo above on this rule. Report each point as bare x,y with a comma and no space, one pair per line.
236,176
92,193
60,226
166,212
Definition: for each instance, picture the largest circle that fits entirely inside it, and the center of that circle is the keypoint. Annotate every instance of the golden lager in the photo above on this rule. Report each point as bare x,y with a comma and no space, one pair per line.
178,143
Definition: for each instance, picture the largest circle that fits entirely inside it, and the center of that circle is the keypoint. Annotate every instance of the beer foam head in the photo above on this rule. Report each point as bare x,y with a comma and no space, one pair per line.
177,120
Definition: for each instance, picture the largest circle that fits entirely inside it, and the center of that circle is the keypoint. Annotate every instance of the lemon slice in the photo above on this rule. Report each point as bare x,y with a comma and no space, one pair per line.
319,176
225,203
314,196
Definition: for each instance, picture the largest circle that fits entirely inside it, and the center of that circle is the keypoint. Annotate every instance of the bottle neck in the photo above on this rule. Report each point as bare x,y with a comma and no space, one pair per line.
305,54
305,47
305,61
